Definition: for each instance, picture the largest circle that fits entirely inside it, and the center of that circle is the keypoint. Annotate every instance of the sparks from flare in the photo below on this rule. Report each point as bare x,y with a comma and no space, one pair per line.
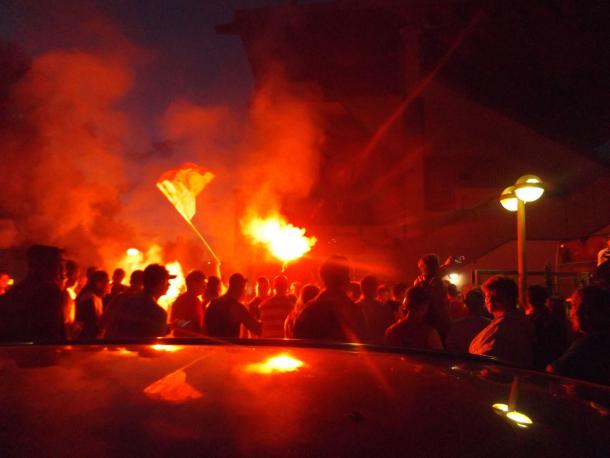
283,240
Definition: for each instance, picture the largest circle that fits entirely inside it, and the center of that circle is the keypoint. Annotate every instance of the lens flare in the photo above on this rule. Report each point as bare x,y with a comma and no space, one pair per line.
280,363
283,240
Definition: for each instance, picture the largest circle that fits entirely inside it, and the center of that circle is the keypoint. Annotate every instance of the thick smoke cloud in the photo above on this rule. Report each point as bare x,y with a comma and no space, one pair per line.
79,170
62,173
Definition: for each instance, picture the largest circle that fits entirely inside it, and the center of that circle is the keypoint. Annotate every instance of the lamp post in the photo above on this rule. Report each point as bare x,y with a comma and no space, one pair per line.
528,188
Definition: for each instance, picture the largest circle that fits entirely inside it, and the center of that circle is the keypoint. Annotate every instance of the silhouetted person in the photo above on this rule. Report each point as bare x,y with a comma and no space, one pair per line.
463,331
558,310
226,314
430,278
275,309
136,282
89,305
383,293
509,337
601,275
604,254
33,309
295,291
332,316
136,286
187,310
308,293
117,286
588,358
139,315
212,290
457,309
354,291
378,315
262,294
412,330
550,337
395,302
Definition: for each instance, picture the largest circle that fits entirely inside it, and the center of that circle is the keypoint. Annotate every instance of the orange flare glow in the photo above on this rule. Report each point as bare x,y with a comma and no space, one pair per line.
176,285
280,363
134,259
283,240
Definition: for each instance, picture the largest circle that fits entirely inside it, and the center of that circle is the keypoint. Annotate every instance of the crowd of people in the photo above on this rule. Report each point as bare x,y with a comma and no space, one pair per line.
570,338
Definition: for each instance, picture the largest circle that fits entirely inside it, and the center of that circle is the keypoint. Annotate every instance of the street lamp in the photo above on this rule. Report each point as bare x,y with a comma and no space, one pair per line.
528,188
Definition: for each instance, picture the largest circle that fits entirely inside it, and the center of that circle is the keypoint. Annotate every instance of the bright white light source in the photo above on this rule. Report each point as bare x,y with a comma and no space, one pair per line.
508,199
502,407
529,188
519,418
454,278
132,252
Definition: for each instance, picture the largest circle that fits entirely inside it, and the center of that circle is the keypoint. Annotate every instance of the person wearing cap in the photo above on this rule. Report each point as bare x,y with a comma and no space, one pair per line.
140,316
226,314
187,309
32,311
275,309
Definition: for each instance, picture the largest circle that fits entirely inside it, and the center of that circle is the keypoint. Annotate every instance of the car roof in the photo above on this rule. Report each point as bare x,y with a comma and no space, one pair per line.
286,399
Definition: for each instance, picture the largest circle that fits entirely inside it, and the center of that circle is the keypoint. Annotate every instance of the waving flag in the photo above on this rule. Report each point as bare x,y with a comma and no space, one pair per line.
183,185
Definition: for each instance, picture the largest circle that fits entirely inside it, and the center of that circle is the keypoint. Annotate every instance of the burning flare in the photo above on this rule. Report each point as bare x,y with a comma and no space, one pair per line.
134,259
176,285
283,240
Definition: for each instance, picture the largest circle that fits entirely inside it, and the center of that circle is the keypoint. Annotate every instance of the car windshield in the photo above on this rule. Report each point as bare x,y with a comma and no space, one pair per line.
330,171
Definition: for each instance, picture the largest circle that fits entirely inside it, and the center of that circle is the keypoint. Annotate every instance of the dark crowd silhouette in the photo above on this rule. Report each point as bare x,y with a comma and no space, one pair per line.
569,337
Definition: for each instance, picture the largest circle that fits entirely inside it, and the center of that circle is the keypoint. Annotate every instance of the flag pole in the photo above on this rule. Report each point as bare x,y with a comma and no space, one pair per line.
189,222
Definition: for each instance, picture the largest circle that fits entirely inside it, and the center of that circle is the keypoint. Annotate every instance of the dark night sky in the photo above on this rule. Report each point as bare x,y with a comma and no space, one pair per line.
185,56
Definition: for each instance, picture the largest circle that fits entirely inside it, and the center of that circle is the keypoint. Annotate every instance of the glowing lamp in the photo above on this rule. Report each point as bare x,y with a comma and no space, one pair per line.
508,199
529,188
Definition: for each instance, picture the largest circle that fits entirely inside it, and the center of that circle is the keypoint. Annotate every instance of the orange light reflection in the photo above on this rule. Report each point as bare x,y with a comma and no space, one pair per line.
280,363
173,388
167,348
